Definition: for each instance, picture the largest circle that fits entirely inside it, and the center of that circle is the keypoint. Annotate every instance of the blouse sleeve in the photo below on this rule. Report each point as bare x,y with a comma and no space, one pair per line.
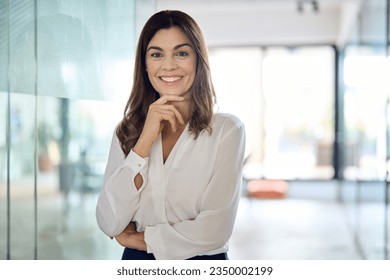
119,198
213,226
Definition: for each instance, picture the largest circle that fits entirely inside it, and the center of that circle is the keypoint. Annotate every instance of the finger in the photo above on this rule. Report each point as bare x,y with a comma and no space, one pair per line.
167,98
174,110
169,116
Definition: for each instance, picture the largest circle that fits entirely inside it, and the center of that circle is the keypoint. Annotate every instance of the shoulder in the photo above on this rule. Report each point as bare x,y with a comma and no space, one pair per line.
227,125
226,121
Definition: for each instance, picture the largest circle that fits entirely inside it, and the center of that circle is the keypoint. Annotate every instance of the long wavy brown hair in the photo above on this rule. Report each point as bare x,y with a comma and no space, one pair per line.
143,94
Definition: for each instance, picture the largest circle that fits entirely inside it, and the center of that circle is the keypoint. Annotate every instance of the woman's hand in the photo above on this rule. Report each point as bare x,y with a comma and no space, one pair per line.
130,238
160,112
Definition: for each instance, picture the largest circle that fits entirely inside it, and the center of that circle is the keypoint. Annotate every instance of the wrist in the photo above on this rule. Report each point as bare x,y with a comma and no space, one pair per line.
142,147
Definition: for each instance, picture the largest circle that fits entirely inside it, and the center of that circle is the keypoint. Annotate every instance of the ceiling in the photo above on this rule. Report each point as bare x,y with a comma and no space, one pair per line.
270,22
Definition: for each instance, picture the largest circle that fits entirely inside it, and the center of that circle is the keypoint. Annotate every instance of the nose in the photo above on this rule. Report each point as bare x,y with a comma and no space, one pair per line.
169,63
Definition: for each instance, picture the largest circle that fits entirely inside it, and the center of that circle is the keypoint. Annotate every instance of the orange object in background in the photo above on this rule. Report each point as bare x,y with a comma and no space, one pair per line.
275,189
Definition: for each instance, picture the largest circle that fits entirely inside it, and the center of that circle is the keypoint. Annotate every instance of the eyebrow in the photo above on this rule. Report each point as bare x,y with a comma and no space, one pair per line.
175,48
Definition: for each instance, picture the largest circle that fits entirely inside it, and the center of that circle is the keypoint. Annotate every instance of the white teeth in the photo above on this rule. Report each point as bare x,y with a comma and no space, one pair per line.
170,79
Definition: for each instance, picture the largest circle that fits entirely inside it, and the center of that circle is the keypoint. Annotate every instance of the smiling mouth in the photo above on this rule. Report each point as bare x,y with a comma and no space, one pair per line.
171,79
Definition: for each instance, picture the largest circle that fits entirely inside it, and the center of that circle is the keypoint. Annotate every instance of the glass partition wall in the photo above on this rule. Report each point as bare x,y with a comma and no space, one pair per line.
366,130
65,75
387,191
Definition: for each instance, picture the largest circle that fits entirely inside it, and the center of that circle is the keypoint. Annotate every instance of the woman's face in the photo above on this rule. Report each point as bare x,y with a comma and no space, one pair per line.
171,62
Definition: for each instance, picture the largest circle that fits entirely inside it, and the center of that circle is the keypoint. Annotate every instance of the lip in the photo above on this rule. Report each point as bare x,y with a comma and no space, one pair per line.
170,79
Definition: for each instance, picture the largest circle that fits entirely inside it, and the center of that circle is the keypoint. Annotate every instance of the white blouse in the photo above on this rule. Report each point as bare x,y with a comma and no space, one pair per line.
187,205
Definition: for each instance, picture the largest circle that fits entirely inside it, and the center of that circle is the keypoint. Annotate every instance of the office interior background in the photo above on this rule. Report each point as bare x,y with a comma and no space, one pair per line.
310,80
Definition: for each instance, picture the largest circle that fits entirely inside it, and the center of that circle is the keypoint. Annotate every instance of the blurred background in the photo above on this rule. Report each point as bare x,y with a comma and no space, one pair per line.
310,80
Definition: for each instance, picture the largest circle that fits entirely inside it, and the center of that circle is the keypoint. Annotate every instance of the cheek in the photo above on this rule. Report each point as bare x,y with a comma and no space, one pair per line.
150,72
193,73
150,67
191,69
150,77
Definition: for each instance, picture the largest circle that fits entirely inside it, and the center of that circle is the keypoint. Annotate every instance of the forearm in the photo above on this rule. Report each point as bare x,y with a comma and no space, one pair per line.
185,239
143,146
117,203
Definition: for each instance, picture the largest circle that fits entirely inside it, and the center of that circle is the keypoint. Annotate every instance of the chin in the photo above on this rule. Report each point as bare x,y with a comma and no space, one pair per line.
173,93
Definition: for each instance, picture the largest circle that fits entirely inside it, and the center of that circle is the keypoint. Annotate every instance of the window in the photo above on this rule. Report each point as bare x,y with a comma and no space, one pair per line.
285,97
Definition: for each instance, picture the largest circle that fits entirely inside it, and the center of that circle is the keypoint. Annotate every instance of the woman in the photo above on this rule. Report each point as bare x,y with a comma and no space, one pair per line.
172,180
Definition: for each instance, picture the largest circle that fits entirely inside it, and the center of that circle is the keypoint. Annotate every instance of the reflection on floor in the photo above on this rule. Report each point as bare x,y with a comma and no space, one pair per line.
291,229
298,227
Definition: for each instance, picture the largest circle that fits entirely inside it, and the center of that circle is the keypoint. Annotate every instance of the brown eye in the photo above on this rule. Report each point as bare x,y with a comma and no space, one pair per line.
156,55
182,53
